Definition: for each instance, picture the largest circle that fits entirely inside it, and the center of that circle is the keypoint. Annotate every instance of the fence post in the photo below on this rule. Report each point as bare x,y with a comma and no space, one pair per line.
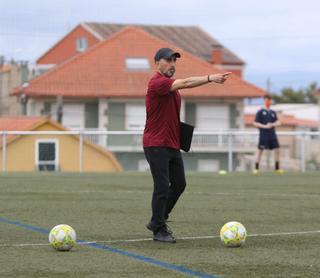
81,151
220,140
230,159
4,152
303,153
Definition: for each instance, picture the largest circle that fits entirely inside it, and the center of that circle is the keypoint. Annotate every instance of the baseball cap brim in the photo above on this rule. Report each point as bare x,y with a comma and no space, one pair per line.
166,53
172,54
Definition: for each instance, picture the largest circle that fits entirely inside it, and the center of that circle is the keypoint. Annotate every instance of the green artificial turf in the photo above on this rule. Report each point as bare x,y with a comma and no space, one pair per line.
117,206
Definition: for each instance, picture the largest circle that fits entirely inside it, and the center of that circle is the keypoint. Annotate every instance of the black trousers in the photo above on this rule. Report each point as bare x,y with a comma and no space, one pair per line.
169,181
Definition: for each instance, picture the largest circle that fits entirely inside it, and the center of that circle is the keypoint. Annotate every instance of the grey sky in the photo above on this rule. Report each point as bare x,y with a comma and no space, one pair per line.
277,39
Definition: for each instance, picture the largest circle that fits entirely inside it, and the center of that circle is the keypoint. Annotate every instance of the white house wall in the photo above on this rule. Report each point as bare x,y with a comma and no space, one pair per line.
240,119
34,107
103,112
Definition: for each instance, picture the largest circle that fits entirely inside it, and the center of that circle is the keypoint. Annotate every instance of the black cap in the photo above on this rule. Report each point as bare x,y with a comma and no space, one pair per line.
166,53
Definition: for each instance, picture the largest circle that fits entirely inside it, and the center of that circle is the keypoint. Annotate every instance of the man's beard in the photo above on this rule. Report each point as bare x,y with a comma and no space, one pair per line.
170,72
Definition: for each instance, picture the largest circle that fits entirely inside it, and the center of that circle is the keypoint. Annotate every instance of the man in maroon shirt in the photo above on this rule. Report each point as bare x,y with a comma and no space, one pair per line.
161,139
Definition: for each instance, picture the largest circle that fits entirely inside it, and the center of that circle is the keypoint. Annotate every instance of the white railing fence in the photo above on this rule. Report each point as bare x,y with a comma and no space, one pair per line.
297,145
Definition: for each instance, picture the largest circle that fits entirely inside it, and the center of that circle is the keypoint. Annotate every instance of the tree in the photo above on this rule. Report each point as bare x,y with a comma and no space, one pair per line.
289,95
309,92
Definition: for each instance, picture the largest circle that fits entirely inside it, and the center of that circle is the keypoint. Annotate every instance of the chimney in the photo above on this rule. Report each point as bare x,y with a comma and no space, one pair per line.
217,54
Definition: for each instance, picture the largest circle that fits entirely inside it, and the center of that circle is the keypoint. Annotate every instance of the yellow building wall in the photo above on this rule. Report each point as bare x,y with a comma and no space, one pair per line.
21,154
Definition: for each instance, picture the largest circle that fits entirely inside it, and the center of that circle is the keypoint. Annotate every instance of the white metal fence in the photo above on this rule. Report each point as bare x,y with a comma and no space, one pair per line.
297,147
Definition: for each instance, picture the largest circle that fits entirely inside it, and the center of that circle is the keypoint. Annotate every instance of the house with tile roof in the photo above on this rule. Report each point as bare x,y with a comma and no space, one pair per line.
104,88
50,152
189,38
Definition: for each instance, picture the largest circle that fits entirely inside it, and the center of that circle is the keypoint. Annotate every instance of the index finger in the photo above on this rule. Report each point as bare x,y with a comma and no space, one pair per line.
226,74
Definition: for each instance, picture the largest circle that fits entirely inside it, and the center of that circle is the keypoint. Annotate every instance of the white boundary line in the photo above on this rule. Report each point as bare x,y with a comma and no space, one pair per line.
150,239
187,192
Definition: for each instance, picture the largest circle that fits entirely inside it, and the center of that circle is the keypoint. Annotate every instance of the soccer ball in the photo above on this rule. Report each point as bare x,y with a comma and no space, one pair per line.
222,172
233,234
62,237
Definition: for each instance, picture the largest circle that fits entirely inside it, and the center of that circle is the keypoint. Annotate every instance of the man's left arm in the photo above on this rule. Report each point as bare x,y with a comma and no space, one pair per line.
276,122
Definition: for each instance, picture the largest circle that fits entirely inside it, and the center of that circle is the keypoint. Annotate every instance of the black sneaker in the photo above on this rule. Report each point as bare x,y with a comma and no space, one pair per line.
163,235
151,227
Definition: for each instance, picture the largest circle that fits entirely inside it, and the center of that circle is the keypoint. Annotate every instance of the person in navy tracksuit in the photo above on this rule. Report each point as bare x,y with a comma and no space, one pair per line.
266,120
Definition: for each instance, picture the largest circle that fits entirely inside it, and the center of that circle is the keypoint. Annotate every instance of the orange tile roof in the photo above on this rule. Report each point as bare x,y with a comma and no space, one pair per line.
306,123
100,72
5,68
190,38
19,123
286,120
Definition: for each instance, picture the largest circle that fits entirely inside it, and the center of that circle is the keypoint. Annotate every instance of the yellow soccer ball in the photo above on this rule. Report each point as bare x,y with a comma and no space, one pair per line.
62,237
233,234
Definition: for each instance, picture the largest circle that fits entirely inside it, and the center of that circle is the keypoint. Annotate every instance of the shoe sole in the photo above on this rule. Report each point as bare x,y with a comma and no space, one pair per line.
157,240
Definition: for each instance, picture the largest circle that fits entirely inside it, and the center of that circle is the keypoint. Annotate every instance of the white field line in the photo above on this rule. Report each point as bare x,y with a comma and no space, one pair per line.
187,192
255,194
150,239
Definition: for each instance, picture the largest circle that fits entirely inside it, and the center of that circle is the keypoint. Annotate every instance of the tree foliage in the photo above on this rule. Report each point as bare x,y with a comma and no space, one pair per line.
289,95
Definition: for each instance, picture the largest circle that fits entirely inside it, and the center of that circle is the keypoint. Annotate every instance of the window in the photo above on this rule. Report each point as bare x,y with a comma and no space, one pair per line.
47,155
137,64
82,44
212,117
91,115
46,109
73,116
135,116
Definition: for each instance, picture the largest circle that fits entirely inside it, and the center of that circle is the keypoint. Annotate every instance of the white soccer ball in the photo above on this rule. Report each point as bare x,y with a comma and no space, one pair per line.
62,237
233,234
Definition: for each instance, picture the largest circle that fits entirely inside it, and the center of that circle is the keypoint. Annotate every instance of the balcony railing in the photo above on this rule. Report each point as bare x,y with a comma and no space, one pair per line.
202,141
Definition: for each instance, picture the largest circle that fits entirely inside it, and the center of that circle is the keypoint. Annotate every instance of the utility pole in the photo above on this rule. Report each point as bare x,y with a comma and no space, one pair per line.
268,87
